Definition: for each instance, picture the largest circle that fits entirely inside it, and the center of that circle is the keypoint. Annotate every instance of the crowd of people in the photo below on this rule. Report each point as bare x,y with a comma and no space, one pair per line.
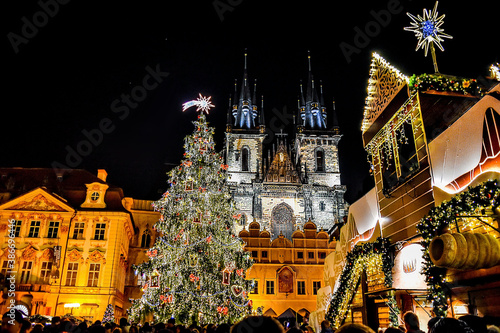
15,322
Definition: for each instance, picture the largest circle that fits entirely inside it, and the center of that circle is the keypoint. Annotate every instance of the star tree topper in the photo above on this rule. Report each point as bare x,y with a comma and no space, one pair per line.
203,104
427,29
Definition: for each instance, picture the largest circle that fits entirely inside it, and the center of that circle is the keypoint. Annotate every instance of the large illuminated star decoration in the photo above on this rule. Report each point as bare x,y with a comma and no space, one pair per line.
427,29
203,104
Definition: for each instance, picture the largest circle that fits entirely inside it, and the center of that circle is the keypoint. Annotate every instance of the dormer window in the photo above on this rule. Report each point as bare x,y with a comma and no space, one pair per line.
95,195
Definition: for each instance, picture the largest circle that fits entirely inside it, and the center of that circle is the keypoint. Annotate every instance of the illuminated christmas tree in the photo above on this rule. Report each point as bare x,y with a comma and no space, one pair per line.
197,267
109,315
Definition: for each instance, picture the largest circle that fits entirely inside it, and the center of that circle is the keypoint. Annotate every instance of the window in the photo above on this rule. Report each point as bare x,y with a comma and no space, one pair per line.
310,255
145,239
244,159
45,271
26,271
100,229
94,270
53,229
301,287
316,287
322,206
255,289
320,160
300,255
17,228
269,287
398,156
78,230
94,196
34,229
254,254
264,254
71,273
321,255
5,268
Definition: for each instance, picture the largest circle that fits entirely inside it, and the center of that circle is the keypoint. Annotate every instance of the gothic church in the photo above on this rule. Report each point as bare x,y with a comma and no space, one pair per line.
285,186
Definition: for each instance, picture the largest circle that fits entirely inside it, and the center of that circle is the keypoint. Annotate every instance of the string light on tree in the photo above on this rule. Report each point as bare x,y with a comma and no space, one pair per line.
427,29
197,267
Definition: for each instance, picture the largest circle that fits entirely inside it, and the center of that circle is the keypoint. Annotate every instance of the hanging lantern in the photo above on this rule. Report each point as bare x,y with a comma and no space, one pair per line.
226,277
154,280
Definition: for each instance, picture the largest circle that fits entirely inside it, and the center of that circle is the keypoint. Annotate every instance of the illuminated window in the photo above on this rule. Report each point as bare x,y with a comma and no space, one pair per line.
53,229
26,271
94,270
100,230
270,287
45,271
34,229
78,230
71,274
301,287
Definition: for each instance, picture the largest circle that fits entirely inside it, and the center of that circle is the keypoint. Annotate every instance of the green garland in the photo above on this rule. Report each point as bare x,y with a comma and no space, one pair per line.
348,280
445,83
473,200
394,311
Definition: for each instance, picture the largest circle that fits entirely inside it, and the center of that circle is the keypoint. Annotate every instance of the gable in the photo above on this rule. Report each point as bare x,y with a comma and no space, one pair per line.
38,200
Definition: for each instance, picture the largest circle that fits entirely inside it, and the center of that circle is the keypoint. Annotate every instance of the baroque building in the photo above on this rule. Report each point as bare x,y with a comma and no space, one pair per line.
296,180
76,240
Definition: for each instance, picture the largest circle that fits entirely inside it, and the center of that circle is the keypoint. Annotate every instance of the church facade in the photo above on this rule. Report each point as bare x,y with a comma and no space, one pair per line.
296,180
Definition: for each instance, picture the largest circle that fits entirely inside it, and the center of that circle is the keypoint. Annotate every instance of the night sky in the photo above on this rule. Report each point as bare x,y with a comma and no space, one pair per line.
68,70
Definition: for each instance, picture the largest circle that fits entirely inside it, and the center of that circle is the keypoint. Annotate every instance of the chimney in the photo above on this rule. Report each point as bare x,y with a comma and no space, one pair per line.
102,174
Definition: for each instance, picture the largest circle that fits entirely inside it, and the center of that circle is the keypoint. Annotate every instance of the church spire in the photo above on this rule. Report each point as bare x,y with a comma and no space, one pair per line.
312,109
245,107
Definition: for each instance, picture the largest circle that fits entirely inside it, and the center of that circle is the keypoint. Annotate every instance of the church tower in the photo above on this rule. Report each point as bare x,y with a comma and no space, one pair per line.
245,133
316,147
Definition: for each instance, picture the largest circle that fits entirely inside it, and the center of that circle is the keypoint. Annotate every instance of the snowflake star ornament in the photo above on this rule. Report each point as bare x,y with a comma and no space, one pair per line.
203,104
427,29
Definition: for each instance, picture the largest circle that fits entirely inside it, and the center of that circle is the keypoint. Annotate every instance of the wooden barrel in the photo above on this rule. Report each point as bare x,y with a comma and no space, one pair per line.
472,251
494,251
448,250
461,253
484,250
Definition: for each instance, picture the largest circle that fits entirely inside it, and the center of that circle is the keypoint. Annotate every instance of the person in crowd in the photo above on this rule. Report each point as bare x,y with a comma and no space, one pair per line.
222,328
431,323
354,328
493,329
133,329
12,321
261,324
294,329
308,329
124,325
476,323
393,330
412,324
451,325
325,327
170,323
38,328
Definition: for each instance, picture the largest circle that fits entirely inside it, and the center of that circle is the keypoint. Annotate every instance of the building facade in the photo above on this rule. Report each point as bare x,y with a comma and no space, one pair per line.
286,184
287,273
71,236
